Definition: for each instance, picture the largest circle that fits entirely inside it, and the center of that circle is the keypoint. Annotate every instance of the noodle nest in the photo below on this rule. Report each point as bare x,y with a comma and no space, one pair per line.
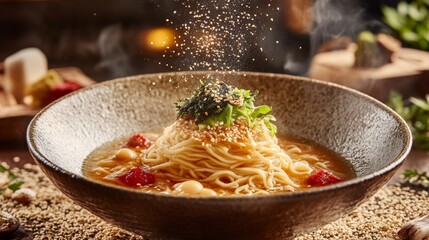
231,160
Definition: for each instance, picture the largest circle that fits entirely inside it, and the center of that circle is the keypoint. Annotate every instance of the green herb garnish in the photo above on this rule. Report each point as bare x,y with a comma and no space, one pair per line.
221,104
14,182
416,113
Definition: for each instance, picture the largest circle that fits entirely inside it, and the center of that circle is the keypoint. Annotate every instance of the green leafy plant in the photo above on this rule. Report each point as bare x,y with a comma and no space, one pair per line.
14,183
410,21
416,113
220,103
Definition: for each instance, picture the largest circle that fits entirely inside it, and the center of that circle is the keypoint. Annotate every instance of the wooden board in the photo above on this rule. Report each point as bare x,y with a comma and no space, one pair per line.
408,73
14,118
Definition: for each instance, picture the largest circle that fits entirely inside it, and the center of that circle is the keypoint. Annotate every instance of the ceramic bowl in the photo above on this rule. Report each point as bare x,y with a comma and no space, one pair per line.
370,136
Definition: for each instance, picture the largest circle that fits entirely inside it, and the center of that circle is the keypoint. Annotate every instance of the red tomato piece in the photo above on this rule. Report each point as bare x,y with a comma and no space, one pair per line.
138,140
137,176
322,178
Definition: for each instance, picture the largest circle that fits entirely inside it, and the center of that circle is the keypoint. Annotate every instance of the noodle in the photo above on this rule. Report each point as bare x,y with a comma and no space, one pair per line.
254,164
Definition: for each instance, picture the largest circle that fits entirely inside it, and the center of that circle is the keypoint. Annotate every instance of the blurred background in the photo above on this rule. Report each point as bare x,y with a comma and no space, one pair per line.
108,38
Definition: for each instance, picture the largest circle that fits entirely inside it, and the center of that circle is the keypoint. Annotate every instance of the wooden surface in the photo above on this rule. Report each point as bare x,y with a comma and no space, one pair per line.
10,108
14,118
407,74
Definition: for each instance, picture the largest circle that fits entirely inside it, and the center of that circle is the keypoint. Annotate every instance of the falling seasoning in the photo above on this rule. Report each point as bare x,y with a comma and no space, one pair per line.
219,34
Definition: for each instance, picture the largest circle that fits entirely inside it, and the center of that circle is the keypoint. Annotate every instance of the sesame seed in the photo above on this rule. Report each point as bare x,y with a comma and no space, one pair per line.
218,133
52,215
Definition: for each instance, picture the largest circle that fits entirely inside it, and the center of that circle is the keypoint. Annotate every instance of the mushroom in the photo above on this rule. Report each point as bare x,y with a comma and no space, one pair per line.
8,224
416,229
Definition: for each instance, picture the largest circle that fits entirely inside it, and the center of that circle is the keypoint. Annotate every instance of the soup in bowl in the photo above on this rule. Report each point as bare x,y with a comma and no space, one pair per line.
195,155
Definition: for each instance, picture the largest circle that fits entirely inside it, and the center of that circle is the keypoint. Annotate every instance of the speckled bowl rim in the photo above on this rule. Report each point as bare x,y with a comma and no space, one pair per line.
41,159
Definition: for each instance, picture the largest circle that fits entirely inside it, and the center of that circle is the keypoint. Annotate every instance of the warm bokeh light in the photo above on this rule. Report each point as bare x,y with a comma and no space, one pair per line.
159,38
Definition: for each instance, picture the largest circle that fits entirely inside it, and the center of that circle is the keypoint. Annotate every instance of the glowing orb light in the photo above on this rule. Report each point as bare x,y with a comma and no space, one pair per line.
159,38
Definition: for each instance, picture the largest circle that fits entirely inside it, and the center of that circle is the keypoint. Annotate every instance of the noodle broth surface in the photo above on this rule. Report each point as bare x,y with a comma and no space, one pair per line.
103,165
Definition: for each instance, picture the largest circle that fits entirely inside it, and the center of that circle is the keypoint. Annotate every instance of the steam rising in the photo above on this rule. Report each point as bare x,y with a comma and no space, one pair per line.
331,19
113,55
334,18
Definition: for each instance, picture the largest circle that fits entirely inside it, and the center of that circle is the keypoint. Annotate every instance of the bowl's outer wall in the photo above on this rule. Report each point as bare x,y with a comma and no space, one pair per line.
358,128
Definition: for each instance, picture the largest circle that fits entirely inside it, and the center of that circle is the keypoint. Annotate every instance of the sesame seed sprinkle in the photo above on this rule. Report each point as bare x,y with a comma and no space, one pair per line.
217,133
